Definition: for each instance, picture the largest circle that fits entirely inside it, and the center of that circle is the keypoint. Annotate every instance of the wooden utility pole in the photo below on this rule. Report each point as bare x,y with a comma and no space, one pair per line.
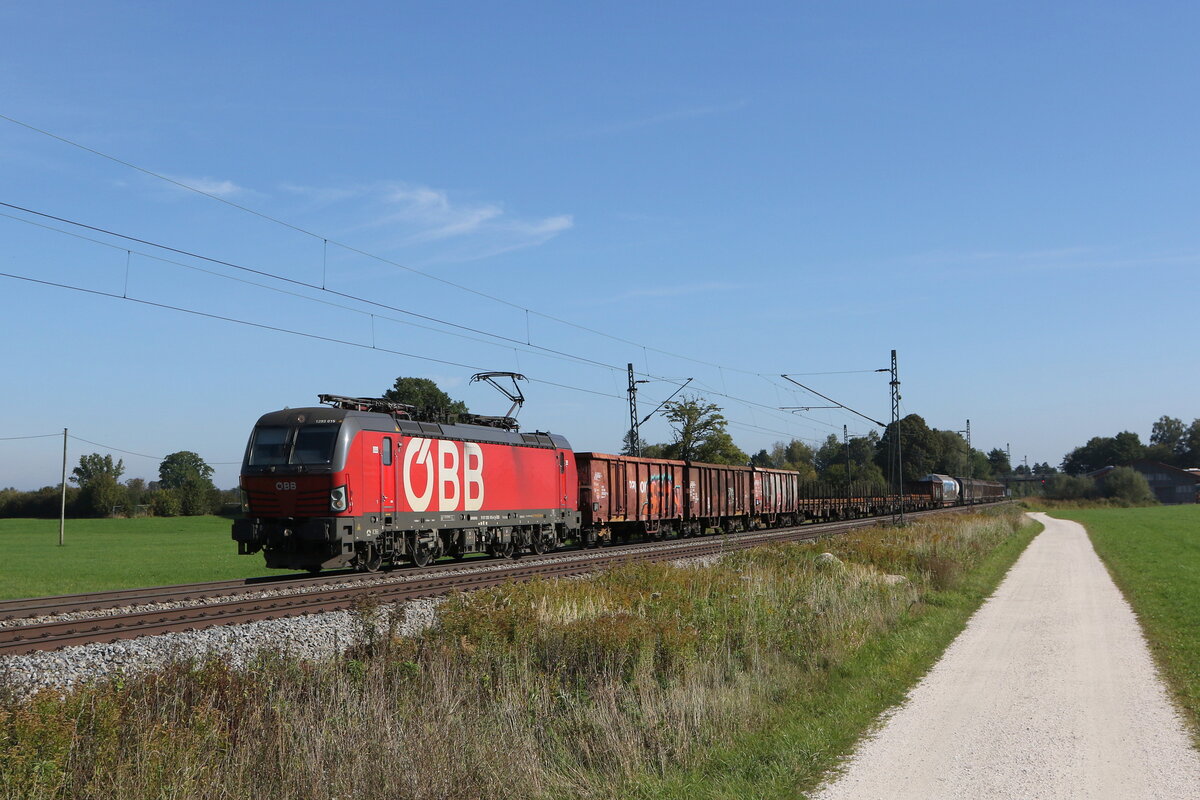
62,513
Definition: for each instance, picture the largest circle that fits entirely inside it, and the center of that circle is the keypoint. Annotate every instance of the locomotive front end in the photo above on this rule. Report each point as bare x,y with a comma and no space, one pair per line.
295,491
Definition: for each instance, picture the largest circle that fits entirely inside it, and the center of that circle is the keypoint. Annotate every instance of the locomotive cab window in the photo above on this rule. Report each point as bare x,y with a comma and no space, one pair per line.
387,451
270,446
314,444
275,445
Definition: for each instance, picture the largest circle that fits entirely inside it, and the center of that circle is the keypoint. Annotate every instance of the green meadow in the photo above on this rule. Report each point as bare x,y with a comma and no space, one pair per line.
1153,555
117,554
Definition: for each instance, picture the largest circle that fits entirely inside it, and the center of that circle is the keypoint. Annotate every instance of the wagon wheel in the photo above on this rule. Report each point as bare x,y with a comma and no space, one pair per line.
370,559
539,545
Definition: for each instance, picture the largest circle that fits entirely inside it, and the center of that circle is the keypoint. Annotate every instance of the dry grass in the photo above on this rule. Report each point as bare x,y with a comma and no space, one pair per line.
564,688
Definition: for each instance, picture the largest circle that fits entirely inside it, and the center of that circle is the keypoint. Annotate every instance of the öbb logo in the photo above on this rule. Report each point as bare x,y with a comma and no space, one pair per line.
457,477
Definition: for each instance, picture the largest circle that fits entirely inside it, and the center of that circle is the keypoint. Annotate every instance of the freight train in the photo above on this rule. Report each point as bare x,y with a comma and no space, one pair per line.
361,483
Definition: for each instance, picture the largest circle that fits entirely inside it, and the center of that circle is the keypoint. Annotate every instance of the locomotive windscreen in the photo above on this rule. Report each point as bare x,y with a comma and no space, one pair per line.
276,445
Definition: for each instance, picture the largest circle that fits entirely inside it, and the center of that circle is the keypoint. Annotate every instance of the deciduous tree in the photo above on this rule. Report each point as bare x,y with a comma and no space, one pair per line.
430,402
189,479
998,460
98,478
700,433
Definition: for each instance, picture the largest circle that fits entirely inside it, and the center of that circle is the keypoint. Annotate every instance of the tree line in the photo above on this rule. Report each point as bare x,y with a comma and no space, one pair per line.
700,432
184,488
1171,442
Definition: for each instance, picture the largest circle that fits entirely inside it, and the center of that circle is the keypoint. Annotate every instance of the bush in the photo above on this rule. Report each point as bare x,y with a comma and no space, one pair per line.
165,503
100,496
45,503
1071,487
1128,487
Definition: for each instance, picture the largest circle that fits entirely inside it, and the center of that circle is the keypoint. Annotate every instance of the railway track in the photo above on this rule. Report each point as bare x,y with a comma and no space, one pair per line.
341,591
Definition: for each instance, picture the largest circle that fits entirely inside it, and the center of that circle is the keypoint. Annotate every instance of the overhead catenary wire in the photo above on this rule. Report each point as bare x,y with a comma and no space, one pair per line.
549,352
266,274
279,329
333,340
277,289
326,241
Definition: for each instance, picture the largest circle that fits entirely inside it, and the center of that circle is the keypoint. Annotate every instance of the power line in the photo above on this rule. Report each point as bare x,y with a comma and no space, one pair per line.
141,455
326,241
263,273
277,329
39,436
318,337
549,352
115,449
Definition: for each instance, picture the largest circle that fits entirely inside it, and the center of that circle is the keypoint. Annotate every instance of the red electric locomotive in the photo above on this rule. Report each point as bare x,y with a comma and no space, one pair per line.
361,484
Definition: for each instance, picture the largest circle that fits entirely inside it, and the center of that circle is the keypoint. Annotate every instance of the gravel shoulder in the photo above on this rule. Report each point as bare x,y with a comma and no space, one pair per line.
1050,692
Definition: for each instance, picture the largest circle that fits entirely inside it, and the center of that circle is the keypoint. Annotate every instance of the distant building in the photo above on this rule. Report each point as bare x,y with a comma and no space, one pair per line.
1170,485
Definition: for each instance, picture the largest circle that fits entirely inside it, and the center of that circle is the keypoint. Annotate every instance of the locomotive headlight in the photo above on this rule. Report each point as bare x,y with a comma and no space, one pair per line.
245,500
337,499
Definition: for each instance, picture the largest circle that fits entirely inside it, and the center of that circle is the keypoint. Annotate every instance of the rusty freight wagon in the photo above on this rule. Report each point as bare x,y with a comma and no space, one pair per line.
776,497
719,497
623,496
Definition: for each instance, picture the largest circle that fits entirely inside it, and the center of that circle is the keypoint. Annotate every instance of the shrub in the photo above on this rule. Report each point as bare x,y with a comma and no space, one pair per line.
1128,487
165,503
1071,487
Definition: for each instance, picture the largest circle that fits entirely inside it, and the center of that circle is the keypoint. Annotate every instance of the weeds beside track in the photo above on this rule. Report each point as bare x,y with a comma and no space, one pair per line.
648,680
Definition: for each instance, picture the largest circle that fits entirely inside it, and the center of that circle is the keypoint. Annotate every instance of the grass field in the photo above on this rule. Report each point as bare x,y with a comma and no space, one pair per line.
1154,557
117,554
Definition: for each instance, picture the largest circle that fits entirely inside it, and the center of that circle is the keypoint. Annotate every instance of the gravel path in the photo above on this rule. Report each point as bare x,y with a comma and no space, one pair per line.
1050,692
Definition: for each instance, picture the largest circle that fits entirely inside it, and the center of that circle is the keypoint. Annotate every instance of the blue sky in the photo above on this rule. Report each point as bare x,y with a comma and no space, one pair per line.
1003,192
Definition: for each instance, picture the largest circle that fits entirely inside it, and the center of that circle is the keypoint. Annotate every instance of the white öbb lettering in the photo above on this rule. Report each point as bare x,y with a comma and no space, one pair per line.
454,469
285,486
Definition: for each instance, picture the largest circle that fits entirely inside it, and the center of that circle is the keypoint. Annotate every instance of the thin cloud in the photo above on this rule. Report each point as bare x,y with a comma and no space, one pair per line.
479,230
430,223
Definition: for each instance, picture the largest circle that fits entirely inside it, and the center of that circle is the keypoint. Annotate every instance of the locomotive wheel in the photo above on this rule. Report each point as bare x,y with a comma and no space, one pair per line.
370,559
503,550
421,554
539,544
